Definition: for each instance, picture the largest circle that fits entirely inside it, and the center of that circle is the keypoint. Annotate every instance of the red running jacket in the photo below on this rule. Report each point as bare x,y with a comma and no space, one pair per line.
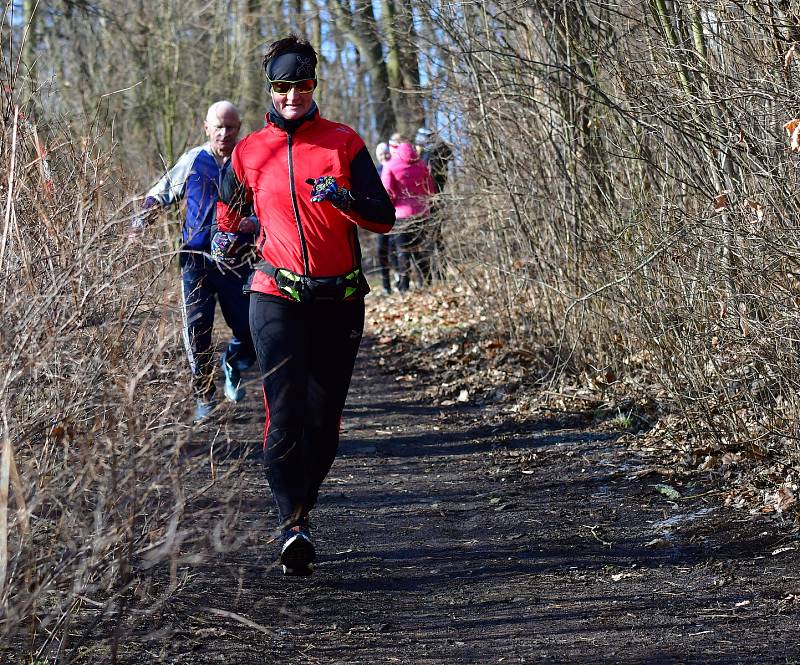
268,174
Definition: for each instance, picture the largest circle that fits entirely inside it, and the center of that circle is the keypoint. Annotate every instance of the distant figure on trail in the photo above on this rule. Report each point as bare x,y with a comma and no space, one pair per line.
311,183
410,187
382,155
437,156
387,251
213,266
435,153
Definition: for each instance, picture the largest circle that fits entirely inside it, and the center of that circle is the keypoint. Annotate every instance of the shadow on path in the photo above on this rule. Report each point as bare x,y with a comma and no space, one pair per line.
457,535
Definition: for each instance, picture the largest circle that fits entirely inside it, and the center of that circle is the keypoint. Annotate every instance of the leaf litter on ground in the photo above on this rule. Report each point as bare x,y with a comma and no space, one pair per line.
448,345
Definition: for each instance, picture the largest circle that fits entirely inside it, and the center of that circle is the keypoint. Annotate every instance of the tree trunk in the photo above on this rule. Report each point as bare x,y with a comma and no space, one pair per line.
402,65
361,27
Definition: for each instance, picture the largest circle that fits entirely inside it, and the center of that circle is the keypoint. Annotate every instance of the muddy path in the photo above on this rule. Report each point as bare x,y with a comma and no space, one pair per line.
455,535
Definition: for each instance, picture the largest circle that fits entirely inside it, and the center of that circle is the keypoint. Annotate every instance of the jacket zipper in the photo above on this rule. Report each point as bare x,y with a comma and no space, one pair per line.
303,248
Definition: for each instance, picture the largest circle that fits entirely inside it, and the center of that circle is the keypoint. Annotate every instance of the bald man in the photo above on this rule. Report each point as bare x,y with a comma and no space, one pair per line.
214,266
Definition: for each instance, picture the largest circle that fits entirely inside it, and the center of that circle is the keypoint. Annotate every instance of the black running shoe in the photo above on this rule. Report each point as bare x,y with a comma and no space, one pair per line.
297,552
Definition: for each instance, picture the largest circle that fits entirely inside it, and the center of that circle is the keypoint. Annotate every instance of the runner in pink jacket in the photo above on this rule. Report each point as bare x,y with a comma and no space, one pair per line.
410,186
408,182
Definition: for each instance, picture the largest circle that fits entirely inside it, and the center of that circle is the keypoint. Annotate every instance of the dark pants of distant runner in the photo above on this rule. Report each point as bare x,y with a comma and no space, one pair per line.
436,262
306,354
203,284
387,259
413,250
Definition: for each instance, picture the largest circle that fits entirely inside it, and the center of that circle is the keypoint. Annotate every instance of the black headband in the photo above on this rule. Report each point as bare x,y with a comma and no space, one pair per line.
291,67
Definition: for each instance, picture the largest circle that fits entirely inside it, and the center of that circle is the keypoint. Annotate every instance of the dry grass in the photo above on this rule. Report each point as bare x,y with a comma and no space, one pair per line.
93,391
625,221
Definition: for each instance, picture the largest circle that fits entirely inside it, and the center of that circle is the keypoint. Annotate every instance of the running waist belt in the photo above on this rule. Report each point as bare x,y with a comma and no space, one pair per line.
306,289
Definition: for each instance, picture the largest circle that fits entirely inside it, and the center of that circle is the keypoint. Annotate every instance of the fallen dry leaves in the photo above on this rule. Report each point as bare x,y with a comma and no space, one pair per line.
444,345
792,128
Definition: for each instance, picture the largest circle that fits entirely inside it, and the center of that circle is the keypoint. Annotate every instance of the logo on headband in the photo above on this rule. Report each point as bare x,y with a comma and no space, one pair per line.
304,67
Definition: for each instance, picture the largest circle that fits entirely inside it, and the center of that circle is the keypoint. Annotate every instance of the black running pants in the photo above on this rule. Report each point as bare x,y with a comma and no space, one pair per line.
306,354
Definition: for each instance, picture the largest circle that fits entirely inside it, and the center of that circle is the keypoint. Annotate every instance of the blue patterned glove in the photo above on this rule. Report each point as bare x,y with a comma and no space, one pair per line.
224,247
325,188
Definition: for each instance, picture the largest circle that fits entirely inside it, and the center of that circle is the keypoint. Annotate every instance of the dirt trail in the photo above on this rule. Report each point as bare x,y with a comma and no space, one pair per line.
451,536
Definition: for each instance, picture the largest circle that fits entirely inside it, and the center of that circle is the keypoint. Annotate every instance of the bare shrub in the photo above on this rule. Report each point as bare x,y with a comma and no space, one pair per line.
93,496
625,198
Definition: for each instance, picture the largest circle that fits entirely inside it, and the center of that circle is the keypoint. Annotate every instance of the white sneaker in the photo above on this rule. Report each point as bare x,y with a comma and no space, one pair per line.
233,390
204,409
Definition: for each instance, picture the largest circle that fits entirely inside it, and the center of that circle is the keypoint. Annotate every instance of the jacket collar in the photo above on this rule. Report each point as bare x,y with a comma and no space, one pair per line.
291,126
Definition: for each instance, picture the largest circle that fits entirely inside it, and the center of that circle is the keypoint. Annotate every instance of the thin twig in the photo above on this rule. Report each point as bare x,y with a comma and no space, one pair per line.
10,188
240,619
5,468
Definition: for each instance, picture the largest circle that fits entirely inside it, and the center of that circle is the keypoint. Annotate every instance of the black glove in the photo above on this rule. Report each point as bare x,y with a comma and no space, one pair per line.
249,225
325,188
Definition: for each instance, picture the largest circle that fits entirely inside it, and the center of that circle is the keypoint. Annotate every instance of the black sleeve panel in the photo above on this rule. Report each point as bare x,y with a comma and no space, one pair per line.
234,195
370,199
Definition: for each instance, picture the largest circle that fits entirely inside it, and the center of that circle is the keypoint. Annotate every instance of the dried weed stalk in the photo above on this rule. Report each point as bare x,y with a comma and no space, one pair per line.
626,200
93,424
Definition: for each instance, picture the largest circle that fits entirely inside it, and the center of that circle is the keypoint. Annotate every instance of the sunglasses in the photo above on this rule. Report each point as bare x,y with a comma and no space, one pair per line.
303,87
